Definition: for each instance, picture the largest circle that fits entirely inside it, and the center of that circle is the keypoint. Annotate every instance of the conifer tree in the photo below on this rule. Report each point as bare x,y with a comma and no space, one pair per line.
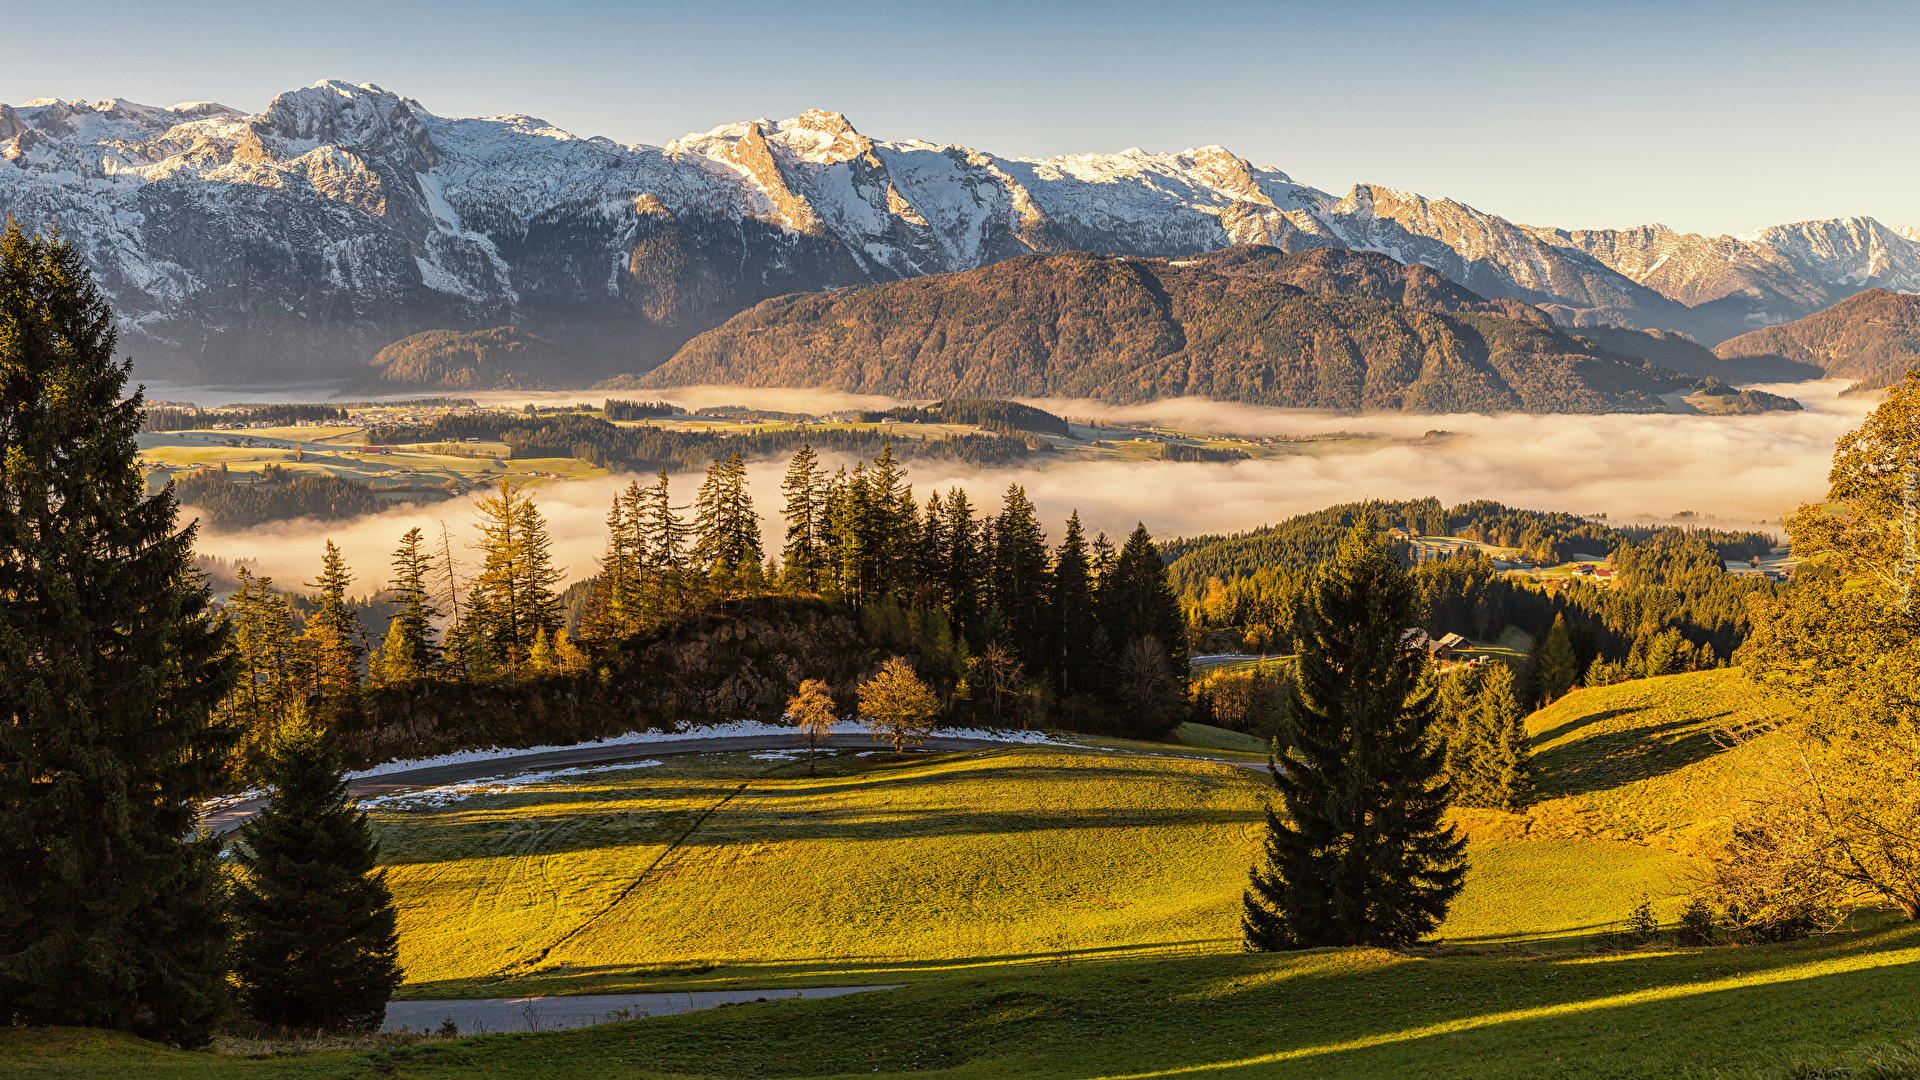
1019,579
317,945
447,592
513,598
274,676
1554,669
1509,762
1073,613
1137,601
333,634
110,671
618,607
726,529
409,653
1361,856
804,488
960,551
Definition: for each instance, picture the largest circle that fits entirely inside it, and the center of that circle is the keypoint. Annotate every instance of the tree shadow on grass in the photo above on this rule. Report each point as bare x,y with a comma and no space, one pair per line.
1580,722
1616,758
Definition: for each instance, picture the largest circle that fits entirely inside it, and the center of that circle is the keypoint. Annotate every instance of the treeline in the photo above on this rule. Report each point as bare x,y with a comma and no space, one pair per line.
1546,537
1000,626
178,419
637,410
650,449
1006,417
224,504
1182,452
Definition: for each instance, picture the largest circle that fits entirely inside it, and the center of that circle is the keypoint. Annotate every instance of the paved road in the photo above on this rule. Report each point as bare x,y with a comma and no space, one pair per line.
488,1016
229,818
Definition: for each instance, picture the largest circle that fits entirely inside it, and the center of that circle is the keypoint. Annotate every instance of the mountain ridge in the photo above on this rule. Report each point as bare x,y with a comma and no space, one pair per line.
303,239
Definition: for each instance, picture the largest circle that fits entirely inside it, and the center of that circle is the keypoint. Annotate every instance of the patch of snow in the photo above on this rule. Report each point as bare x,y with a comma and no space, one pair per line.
427,798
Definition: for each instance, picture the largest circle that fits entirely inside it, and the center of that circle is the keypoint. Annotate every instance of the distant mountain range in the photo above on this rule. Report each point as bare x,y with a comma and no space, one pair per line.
1325,329
1871,337
299,242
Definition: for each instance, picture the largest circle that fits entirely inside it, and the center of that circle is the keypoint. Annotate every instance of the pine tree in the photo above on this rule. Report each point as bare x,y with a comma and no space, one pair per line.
1361,857
333,634
804,488
110,671
317,945
1073,613
1554,668
409,653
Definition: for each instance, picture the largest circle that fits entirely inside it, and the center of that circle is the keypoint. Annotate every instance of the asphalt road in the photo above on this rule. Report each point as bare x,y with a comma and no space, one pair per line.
490,1016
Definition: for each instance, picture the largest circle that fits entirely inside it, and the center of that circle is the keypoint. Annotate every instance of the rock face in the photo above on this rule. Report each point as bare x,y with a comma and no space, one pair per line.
1124,329
1872,338
298,242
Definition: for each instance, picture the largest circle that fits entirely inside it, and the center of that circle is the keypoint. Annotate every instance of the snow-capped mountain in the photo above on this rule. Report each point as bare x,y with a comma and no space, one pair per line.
297,242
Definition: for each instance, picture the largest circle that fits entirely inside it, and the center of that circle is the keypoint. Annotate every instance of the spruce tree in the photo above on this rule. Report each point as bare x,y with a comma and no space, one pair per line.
804,488
960,555
726,528
1508,761
316,944
1361,856
1137,601
1073,613
274,675
1019,579
512,598
1554,668
110,671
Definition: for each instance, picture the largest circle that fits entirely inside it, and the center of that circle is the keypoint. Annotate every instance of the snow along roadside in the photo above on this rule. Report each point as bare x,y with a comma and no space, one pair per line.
734,730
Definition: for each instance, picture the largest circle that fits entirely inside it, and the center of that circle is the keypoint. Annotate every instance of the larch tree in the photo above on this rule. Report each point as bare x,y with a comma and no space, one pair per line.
274,675
813,712
1361,856
110,671
317,943
897,705
409,653
333,634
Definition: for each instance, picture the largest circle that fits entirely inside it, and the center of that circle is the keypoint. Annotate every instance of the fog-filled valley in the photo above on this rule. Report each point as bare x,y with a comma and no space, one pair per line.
1729,471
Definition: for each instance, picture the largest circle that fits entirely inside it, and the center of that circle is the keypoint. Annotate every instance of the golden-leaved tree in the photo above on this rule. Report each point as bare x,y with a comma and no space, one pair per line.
1836,826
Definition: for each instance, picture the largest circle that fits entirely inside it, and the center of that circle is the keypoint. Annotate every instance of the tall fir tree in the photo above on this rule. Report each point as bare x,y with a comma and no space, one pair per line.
1019,579
962,563
410,653
1554,668
317,944
1136,601
110,671
333,633
1509,763
805,489
1361,856
1073,612
726,528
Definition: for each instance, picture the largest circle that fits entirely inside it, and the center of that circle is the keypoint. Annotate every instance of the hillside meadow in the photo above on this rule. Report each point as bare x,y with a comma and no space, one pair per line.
1071,912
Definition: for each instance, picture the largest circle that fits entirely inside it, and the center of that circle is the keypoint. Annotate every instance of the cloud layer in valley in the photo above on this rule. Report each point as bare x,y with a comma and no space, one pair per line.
1738,471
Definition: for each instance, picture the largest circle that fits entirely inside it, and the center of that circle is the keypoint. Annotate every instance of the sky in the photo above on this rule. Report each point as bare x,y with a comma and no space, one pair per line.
1706,117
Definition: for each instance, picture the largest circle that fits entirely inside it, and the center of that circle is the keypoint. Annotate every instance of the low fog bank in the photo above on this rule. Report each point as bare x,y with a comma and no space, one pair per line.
1730,471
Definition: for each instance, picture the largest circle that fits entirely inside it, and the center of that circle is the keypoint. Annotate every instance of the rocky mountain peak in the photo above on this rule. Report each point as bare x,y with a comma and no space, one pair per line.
336,113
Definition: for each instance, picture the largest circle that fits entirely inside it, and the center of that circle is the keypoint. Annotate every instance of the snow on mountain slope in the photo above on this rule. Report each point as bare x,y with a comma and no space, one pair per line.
299,241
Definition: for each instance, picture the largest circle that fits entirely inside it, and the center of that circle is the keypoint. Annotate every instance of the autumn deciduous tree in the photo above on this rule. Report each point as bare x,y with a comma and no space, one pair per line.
898,705
813,713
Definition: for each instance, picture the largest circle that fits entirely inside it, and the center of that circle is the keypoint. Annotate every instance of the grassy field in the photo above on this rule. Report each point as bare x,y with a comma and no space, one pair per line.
1071,912
337,451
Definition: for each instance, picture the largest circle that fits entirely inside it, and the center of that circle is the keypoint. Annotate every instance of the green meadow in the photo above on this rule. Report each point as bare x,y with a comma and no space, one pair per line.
1072,912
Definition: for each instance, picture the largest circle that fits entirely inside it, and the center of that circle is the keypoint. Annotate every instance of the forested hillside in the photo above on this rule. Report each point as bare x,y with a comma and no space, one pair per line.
1873,338
1128,330
503,358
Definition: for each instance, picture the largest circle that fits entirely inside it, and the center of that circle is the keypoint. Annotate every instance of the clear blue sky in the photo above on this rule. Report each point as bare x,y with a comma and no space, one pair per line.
1707,117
